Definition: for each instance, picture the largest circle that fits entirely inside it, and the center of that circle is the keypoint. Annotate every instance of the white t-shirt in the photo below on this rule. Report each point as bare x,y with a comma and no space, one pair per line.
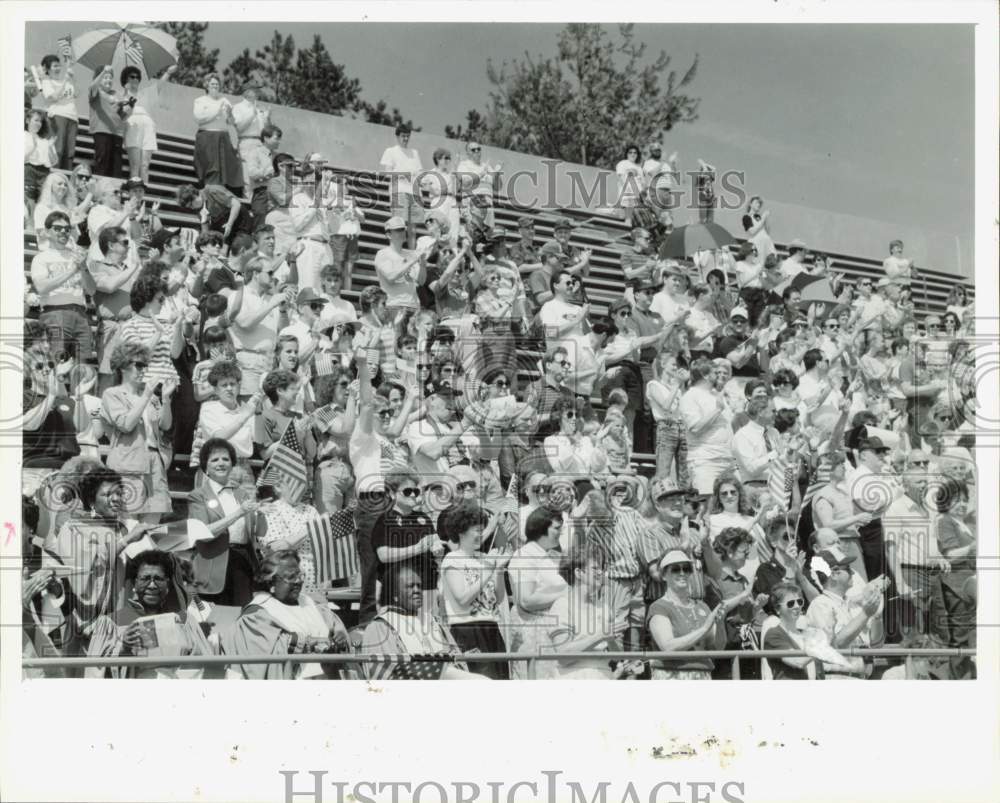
420,433
401,291
406,163
556,313
53,263
714,442
262,337
668,307
215,417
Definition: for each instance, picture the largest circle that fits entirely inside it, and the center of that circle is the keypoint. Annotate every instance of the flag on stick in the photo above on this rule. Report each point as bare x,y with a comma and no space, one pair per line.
286,467
133,53
335,546
64,45
324,362
780,477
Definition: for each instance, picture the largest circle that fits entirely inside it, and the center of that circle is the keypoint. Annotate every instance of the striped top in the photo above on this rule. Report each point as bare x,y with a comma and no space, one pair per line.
147,331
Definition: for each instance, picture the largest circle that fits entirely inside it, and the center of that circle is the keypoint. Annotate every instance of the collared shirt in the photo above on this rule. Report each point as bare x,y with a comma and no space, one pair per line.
647,323
832,614
261,337
587,364
237,530
754,451
623,560
632,259
401,291
546,397
698,406
524,253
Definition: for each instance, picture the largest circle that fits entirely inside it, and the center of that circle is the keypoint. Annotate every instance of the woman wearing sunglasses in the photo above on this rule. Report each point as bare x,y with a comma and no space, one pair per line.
677,623
569,450
786,634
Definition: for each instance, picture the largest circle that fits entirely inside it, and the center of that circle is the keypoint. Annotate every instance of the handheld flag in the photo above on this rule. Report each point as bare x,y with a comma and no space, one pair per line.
334,545
286,467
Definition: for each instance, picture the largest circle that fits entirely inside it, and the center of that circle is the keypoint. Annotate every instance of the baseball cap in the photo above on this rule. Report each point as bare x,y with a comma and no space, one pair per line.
797,243
525,220
395,223
563,223
133,183
497,233
885,281
160,239
932,319
666,487
550,249
621,303
309,296
825,561
739,312
646,284
872,444
674,556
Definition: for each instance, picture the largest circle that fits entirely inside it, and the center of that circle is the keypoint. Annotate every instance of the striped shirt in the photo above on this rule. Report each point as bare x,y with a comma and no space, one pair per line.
146,330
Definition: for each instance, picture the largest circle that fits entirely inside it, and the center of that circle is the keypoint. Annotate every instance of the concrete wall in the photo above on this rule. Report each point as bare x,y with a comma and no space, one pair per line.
546,185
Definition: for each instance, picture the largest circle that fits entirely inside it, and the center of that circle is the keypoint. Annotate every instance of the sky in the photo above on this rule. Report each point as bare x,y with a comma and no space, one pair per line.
871,120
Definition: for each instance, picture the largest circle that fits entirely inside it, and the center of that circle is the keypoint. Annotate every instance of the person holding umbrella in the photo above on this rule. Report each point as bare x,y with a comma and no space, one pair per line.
140,131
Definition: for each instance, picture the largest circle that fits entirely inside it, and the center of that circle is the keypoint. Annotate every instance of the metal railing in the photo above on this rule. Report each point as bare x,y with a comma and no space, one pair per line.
735,656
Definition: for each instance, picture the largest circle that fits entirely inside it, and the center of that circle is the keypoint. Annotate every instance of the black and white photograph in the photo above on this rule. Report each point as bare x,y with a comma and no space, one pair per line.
433,343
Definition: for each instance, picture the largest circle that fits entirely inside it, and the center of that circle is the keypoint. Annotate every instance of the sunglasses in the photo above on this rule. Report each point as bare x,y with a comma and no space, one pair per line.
470,485
501,383
141,366
385,415
343,383
920,463
59,228
411,491
733,492
538,489
423,367
42,366
316,307
624,313
795,603
569,415
682,569
474,150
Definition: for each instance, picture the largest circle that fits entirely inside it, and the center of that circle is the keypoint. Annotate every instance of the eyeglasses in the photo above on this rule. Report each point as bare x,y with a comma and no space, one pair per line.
730,492
410,491
474,150
343,383
84,176
920,463
470,485
795,603
563,363
864,284
681,569
493,278
385,415
625,313
149,579
447,370
59,228
501,383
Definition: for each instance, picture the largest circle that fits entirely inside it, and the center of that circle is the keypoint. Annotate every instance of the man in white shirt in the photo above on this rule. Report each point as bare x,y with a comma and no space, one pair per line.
432,436
560,318
709,435
815,388
310,224
337,309
399,270
255,330
61,280
478,178
755,445
655,171
309,305
587,361
672,301
403,164
107,211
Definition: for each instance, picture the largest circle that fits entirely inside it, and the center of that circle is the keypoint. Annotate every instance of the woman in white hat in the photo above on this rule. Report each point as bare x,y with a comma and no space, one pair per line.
678,623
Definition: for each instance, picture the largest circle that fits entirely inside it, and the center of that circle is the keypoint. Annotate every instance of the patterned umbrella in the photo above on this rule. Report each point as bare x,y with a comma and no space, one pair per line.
685,240
149,48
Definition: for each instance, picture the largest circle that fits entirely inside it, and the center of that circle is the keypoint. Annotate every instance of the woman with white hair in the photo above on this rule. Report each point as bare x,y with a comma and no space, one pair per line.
56,196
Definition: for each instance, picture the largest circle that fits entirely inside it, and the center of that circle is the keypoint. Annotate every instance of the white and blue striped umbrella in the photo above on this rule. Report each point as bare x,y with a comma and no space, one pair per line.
126,42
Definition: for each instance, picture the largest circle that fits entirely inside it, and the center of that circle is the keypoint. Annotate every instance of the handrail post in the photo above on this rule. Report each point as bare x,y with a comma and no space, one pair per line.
736,667
532,670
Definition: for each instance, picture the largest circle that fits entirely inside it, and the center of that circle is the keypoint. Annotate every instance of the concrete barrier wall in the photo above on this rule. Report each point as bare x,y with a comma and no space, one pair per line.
547,185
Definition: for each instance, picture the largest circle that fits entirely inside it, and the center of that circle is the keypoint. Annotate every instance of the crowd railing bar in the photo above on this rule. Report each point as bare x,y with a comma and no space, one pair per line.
351,658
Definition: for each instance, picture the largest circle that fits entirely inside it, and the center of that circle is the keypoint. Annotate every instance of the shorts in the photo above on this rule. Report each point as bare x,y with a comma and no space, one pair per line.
141,133
149,492
703,472
34,177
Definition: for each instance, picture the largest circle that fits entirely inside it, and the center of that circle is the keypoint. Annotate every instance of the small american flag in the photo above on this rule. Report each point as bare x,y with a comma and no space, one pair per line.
820,479
65,47
335,546
286,466
405,667
325,363
325,414
780,477
133,52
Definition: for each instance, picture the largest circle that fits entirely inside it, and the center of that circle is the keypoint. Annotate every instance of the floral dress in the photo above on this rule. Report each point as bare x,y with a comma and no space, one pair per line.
285,522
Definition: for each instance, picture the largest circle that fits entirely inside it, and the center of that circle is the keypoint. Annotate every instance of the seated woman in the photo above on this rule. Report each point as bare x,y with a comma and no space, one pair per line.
783,633
281,620
471,585
283,522
676,623
400,628
583,621
152,621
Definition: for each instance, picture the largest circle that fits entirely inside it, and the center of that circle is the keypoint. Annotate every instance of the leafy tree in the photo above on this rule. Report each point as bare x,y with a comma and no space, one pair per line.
320,85
239,71
472,131
276,70
380,114
194,61
586,103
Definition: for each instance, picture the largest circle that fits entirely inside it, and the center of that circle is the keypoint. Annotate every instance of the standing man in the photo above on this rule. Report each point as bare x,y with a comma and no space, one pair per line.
524,253
431,437
672,301
638,262
655,171
872,493
709,434
311,228
62,283
755,444
250,120
113,276
255,329
399,269
561,318
478,183
402,163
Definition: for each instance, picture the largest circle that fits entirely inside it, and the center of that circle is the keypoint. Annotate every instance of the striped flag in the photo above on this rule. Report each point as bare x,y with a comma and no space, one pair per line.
325,363
287,467
820,478
325,414
64,45
334,545
133,53
416,669
780,477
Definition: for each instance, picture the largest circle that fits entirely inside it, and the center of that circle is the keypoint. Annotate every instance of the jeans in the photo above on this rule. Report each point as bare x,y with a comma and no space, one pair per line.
671,445
64,133
370,507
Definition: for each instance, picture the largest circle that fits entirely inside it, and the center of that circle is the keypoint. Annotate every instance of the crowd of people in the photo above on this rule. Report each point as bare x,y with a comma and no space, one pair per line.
481,424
